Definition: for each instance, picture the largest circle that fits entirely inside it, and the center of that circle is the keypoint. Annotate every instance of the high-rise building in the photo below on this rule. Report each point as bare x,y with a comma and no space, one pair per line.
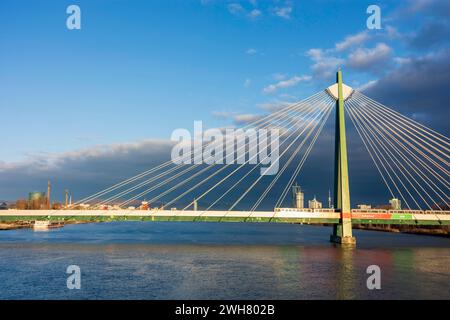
37,200
314,204
49,202
144,205
66,192
330,202
298,197
195,204
396,204
364,206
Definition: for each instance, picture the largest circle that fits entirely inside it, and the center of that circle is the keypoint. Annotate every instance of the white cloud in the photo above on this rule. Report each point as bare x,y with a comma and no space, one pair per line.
255,13
350,52
279,76
392,33
222,114
283,12
82,171
352,40
325,65
246,118
407,88
327,61
370,58
251,10
402,60
315,54
286,83
251,51
237,118
247,83
235,8
273,105
55,160
238,9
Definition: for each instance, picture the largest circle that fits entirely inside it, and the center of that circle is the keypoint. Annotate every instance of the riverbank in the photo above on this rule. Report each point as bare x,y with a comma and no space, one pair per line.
13,225
440,231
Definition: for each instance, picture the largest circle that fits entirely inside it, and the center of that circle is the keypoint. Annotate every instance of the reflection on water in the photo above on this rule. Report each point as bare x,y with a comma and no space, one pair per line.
218,261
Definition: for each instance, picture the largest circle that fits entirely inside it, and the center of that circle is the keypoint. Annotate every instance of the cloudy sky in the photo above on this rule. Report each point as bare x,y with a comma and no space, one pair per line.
89,107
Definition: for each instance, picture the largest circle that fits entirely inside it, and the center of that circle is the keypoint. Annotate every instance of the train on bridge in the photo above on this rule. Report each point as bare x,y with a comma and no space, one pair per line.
372,214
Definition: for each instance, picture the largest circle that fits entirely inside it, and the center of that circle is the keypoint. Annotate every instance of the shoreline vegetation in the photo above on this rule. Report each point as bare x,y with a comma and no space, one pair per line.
440,231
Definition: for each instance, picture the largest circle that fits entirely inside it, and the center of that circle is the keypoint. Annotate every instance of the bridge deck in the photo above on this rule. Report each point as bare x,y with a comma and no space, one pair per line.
280,215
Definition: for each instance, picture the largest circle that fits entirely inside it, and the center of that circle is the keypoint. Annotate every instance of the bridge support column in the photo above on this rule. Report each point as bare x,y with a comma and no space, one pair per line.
342,232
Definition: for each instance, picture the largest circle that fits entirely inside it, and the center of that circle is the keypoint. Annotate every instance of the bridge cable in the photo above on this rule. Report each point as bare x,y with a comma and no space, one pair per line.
385,124
401,117
208,178
232,187
301,163
406,130
392,157
366,145
254,183
378,154
380,125
268,119
183,182
384,120
147,172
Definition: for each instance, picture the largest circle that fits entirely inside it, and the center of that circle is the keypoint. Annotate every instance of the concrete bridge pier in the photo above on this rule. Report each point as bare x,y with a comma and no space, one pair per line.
342,232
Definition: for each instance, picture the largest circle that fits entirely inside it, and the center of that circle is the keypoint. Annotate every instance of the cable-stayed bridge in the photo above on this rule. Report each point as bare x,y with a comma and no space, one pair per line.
411,159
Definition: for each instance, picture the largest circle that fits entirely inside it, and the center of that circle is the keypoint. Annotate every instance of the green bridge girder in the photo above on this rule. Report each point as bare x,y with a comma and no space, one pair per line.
111,218
342,231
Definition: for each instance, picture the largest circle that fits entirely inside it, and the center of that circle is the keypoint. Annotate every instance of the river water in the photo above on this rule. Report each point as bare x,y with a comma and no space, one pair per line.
184,260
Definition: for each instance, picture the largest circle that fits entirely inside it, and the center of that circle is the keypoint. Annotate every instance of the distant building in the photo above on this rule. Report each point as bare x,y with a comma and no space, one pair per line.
3,206
396,204
36,196
330,202
144,205
37,200
298,197
195,204
364,206
314,204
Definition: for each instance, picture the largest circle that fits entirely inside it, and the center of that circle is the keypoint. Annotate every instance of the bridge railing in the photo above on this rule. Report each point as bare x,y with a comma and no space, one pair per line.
371,211
384,211
306,210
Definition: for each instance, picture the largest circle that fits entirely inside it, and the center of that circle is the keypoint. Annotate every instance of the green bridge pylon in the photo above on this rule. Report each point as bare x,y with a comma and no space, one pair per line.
342,232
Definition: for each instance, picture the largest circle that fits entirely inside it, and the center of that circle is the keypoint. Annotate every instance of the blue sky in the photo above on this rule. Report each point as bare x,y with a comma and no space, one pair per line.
138,70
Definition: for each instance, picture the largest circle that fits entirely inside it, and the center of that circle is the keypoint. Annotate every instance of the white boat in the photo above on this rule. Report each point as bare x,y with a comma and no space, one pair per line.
41,225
